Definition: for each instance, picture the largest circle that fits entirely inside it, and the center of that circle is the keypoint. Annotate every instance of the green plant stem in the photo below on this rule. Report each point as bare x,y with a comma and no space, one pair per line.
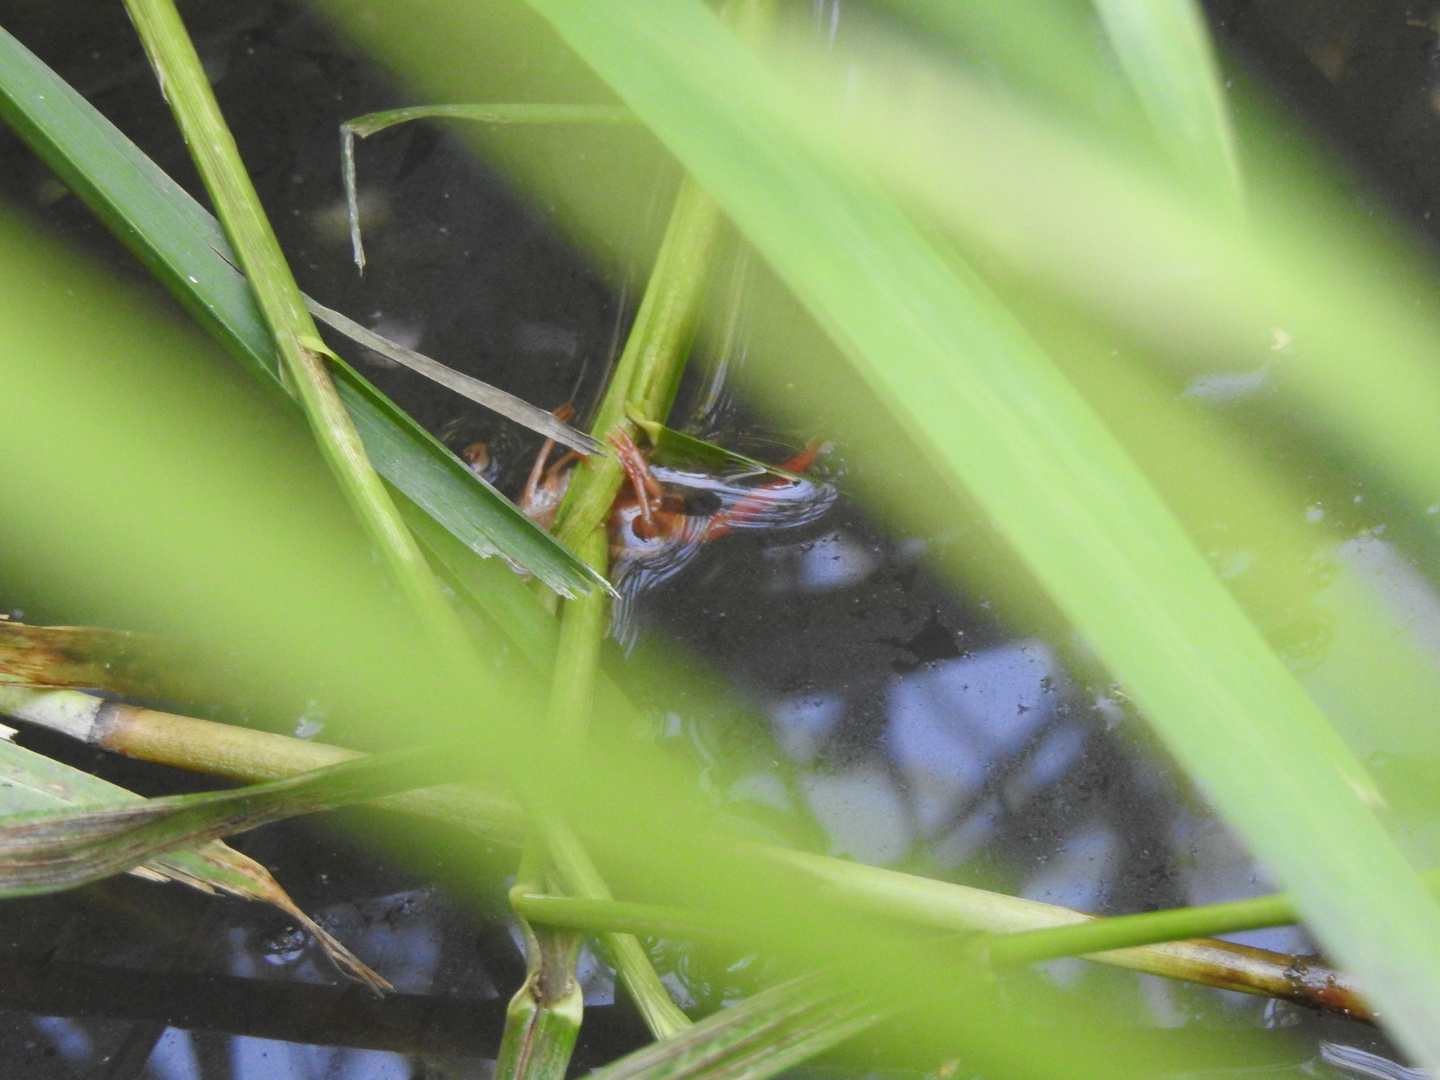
650,366
645,380
583,881
183,82
1146,928
543,1019
244,754
946,906
616,916
584,622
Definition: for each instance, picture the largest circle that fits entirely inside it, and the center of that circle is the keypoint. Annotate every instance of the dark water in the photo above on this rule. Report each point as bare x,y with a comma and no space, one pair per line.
869,710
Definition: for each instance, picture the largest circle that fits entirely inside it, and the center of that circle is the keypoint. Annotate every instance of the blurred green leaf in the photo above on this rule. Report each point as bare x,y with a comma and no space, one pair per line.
184,248
1164,47
1008,428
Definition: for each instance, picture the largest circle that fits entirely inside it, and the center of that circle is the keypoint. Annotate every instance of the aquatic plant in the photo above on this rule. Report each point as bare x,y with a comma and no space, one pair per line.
1033,237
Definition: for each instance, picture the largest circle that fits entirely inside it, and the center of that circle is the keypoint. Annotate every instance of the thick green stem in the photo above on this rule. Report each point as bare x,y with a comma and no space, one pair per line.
543,1019
645,379
183,82
654,358
243,754
582,880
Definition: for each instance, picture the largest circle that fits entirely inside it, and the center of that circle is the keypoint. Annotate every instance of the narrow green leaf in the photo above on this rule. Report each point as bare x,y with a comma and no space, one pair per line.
47,852
1164,47
1006,428
31,783
183,246
482,393
762,1036
370,123
676,449
186,88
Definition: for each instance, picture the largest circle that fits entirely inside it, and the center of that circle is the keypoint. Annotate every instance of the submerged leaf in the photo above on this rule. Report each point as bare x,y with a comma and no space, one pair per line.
368,125
31,783
676,449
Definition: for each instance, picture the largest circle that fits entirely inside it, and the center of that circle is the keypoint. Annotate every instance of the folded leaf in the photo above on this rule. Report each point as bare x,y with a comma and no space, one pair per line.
42,852
31,782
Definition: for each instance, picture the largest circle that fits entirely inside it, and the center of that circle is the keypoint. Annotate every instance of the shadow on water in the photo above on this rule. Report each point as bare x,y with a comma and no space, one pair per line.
866,710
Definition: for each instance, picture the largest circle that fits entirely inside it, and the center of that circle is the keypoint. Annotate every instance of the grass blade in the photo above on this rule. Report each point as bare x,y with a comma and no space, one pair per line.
482,393
183,246
302,353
